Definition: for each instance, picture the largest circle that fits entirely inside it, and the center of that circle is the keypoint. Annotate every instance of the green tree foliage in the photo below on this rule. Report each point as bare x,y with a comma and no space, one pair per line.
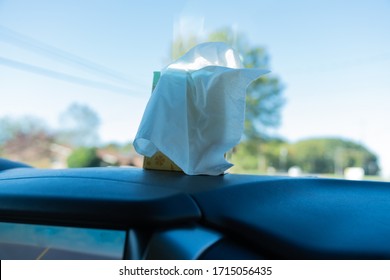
332,155
264,99
246,157
275,154
318,156
84,157
259,155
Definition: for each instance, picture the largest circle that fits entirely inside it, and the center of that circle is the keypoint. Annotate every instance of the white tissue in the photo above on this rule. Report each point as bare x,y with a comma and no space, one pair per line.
196,112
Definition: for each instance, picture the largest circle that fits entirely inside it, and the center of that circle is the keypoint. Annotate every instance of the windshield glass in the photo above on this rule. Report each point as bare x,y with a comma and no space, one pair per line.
75,77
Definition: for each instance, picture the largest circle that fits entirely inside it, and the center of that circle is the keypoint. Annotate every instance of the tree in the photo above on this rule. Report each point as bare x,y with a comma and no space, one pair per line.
26,139
264,99
275,154
246,157
332,155
260,155
79,126
84,157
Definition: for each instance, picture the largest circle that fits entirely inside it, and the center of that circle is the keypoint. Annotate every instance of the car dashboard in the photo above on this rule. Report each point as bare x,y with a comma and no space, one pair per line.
131,213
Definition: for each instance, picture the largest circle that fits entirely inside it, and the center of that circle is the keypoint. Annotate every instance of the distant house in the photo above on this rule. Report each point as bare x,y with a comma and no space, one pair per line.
59,155
118,158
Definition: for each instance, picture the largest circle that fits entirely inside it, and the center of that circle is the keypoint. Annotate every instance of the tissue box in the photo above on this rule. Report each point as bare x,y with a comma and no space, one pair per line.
159,161
196,111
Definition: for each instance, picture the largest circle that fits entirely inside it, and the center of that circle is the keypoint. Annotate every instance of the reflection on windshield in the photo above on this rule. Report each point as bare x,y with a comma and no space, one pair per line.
23,241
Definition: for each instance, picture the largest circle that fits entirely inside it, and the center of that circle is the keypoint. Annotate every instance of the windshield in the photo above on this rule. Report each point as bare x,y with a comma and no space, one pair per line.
75,77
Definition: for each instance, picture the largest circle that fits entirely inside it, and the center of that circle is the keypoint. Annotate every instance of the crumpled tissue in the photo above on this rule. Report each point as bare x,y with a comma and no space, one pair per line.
197,109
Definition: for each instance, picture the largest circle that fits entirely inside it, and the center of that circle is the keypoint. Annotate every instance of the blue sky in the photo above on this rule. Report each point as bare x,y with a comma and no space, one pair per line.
333,57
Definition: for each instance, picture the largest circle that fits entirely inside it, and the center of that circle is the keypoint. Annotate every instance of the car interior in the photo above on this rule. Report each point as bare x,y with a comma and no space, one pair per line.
132,213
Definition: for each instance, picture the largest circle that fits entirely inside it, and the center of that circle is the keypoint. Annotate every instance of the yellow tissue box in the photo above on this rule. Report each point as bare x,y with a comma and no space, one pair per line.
159,161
